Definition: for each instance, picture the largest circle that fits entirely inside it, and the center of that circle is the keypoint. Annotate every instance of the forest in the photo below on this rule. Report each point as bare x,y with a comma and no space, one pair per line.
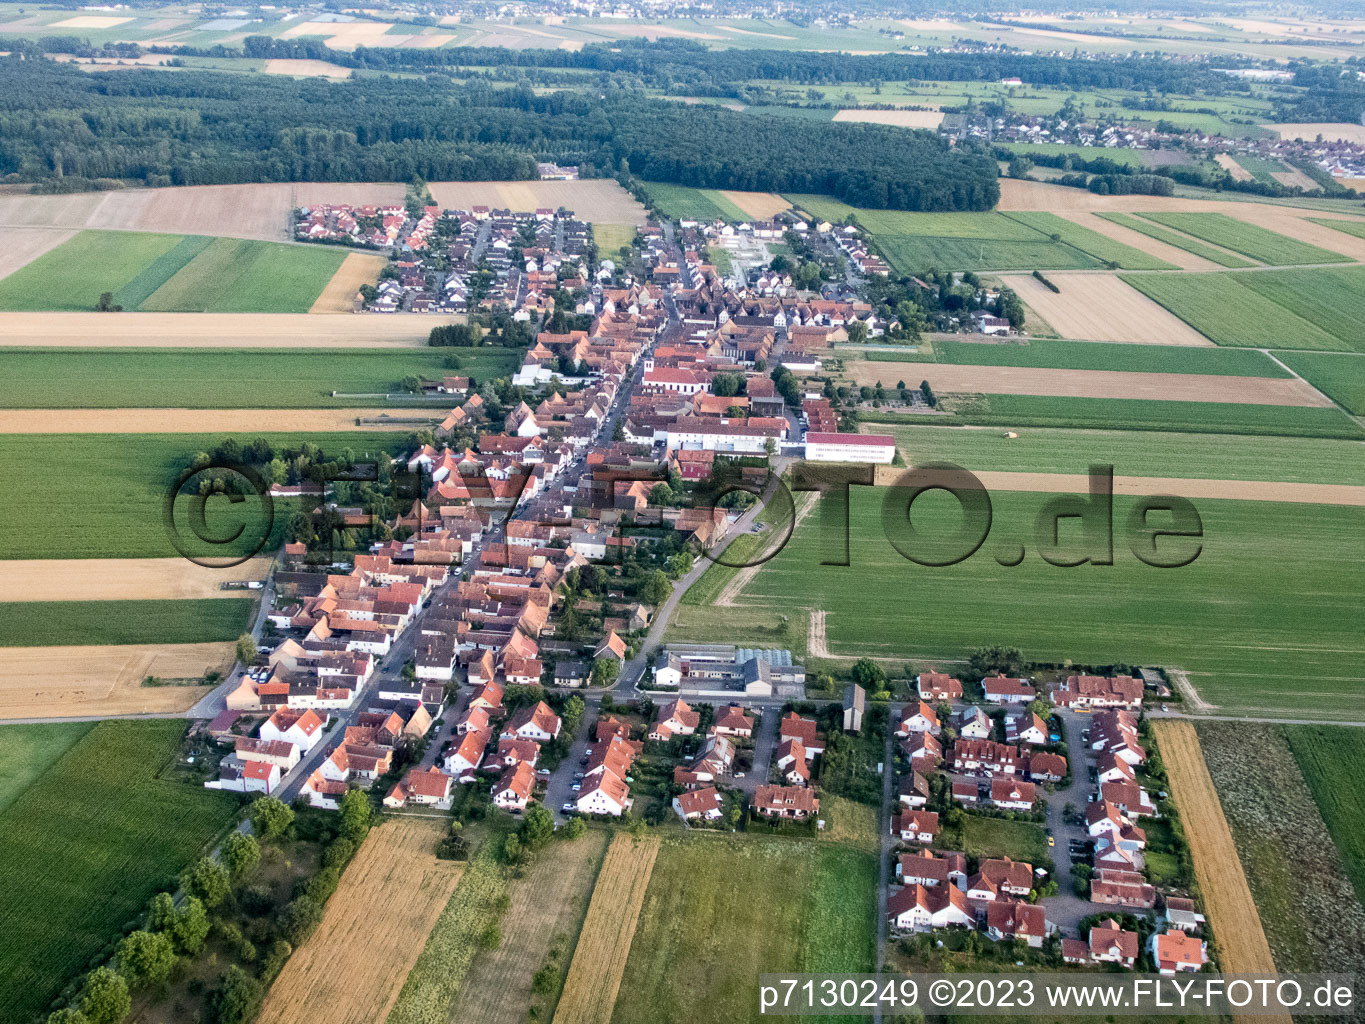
197,128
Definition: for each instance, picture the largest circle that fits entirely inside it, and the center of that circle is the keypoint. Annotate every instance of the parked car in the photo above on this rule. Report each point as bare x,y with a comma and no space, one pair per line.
568,806
576,787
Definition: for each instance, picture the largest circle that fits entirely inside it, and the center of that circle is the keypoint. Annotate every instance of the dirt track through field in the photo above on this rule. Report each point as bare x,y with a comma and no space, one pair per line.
191,421
1137,240
356,269
1232,913
124,579
951,378
1100,307
375,925
817,643
604,944
216,330
729,594
598,199
24,245
70,682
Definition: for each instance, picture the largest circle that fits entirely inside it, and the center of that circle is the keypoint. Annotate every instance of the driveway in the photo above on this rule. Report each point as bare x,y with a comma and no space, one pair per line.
765,742
1066,909
559,788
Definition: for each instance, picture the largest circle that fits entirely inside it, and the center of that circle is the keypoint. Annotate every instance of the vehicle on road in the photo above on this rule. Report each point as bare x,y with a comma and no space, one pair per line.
567,807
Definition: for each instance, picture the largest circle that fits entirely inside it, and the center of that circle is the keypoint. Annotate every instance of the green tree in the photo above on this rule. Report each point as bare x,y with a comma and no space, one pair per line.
605,671
573,713
298,919
105,998
996,660
869,675
270,817
857,332
537,827
241,854
355,815
679,565
575,829
656,587
67,1016
146,959
246,649
513,850
208,881
189,927
237,999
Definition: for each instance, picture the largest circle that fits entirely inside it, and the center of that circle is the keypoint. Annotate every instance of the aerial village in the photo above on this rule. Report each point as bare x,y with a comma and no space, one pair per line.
502,645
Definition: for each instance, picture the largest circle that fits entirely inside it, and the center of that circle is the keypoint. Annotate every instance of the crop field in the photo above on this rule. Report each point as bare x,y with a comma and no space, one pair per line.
1137,453
1320,751
172,273
1340,375
85,846
595,200
389,898
683,203
910,254
216,330
1209,252
699,931
126,579
1248,239
546,910
77,623
26,751
118,511
1232,914
612,918
1086,355
1134,158
205,378
1281,840
1249,638
357,269
1092,243
1228,312
1331,299
1350,227
1100,307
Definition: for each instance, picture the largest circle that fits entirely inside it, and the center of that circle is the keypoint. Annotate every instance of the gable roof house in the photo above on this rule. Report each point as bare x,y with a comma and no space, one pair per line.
1177,951
537,723
915,826
929,869
702,803
1007,690
512,791
733,722
675,718
1012,921
919,908
938,686
785,801
793,727
922,718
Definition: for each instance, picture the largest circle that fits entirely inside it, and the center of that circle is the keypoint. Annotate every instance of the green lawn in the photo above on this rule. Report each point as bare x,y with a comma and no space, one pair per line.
1092,243
701,939
1321,751
1098,355
1272,599
1260,244
172,273
1208,252
1137,453
610,237
117,510
85,846
1350,227
1338,374
998,837
683,203
26,751
207,378
82,623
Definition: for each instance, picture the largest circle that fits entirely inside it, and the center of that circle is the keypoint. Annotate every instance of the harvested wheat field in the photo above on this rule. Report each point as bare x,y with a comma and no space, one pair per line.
305,68
1330,131
1018,195
949,378
90,21
340,294
758,205
1237,490
1229,164
75,682
599,960
1137,240
216,330
343,35
899,118
596,200
189,421
1242,945
24,245
372,931
547,907
1294,178
125,579
1100,307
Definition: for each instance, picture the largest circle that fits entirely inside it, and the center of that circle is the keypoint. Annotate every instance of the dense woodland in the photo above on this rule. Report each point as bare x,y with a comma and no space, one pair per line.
194,128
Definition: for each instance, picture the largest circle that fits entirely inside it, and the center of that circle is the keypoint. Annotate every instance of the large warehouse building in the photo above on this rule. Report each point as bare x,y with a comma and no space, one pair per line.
820,447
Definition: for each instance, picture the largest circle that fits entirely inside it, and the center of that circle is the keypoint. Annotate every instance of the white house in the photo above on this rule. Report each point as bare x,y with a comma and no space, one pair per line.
605,793
923,719
834,447
917,908
302,728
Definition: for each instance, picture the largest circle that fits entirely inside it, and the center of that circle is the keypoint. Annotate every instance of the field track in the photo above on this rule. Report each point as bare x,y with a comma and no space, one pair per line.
951,378
1137,240
598,199
1100,307
1227,898
69,682
190,421
600,957
373,929
124,579
215,330
24,245
1234,490
358,268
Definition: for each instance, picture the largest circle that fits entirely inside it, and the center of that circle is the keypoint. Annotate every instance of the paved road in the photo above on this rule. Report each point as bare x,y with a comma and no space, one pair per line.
1066,909
887,842
559,788
765,742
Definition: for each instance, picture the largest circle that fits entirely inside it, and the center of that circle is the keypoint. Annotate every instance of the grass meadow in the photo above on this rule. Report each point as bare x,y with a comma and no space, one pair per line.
1320,751
1338,375
75,378
172,273
83,623
26,751
1265,618
702,931
85,846
108,499
1259,243
1174,238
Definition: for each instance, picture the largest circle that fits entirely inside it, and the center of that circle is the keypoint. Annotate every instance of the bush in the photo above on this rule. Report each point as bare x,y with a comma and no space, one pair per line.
298,919
237,999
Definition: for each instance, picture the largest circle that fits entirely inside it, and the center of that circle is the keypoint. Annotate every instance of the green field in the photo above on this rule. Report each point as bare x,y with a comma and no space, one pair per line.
1134,158
84,623
209,378
1350,227
1260,168
1135,414
1332,299
683,203
1137,453
1267,246
912,254
26,751
1099,355
1179,241
172,273
1272,599
1321,751
702,941
1338,374
85,846
1092,243
117,510
1228,312
610,237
